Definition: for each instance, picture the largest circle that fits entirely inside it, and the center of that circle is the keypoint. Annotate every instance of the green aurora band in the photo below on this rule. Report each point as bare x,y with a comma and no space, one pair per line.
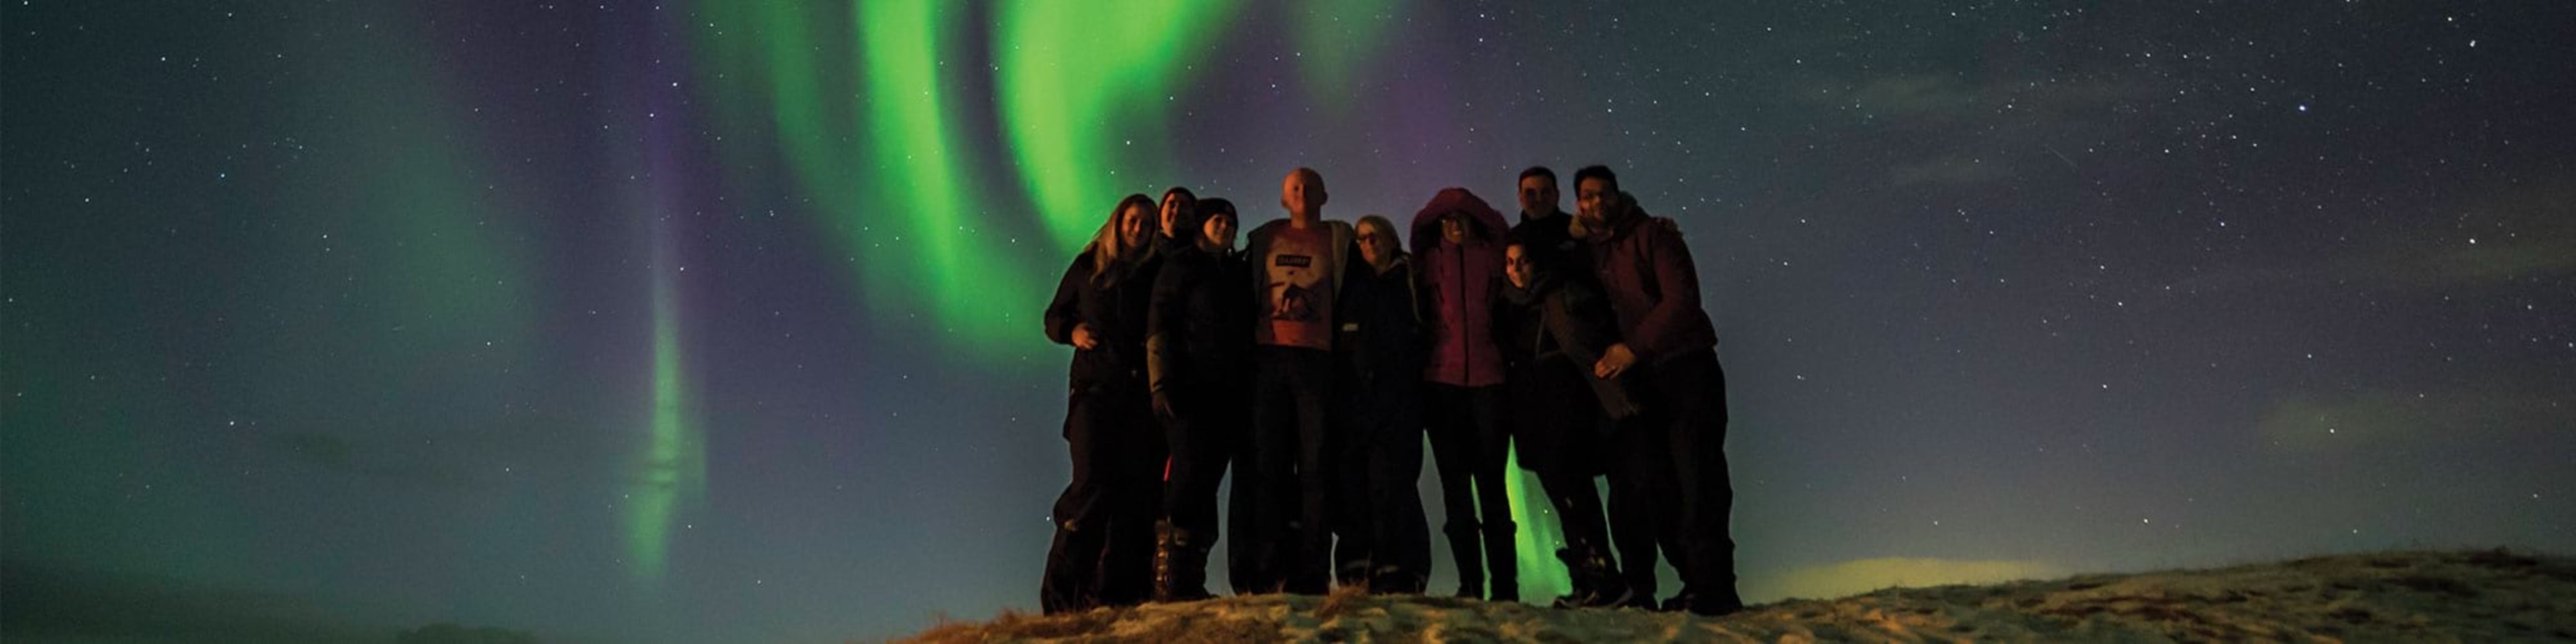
1073,101
878,126
674,467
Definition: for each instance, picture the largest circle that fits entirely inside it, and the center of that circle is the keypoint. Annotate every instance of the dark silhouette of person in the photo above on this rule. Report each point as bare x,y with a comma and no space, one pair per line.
1640,492
1669,344
1552,325
1103,546
1298,264
1198,345
1385,542
1458,244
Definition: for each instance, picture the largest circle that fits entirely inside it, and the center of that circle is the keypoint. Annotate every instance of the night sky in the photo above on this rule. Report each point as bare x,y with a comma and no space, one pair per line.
719,321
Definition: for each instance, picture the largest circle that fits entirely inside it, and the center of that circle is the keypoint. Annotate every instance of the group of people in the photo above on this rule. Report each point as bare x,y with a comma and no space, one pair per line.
1313,361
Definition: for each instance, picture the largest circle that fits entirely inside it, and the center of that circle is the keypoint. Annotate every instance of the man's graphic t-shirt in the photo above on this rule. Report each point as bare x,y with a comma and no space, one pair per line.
1300,308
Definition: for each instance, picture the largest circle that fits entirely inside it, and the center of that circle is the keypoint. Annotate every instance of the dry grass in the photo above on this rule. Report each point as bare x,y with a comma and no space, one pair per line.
1343,600
1201,628
2395,596
1014,625
1186,623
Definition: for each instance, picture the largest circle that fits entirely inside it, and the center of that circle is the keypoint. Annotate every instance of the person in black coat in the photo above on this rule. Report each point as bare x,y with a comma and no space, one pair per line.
1198,349
1103,545
1552,325
1379,352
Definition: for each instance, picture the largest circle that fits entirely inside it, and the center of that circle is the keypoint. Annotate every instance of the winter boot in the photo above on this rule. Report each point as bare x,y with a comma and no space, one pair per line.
1597,583
1466,543
1395,580
1180,565
1502,559
1165,550
1721,603
1582,592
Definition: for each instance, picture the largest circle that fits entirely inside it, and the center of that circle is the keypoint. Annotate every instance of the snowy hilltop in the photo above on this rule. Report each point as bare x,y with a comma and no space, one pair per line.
2404,596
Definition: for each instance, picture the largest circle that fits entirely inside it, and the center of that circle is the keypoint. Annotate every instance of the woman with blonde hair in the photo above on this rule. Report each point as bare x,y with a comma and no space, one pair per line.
1103,547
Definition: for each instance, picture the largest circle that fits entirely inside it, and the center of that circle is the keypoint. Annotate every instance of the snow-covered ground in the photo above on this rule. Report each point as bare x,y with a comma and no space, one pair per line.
2408,596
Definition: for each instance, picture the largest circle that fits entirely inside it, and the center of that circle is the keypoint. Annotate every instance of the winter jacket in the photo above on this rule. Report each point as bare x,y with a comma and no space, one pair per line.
1115,305
1199,332
1547,238
1458,288
1379,344
1646,272
1565,322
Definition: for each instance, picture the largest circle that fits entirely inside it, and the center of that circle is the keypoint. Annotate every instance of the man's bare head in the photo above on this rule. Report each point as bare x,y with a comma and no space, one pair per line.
1302,193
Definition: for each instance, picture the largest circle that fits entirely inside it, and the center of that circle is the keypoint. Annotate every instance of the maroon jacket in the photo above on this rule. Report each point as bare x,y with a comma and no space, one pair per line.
1653,287
1458,289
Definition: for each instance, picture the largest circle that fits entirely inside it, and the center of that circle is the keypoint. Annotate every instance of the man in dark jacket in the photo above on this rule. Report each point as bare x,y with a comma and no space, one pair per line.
1103,547
1198,347
1667,339
1542,226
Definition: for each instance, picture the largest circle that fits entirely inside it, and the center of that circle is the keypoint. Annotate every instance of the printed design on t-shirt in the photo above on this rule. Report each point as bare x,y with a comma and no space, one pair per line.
1299,307
1295,304
1293,297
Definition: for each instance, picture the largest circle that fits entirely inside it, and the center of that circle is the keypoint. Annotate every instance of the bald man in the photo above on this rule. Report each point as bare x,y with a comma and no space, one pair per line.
1297,266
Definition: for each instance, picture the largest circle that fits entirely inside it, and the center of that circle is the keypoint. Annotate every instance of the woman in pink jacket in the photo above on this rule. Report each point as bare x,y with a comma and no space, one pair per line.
1458,249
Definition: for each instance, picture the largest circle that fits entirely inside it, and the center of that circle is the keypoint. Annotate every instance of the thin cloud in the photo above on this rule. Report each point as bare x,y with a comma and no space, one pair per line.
2345,422
1952,171
1865,575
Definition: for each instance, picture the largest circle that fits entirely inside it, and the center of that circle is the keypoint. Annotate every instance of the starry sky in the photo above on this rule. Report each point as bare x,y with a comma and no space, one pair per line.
719,321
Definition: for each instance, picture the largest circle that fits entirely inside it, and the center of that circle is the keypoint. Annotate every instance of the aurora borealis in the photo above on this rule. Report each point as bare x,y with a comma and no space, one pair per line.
713,321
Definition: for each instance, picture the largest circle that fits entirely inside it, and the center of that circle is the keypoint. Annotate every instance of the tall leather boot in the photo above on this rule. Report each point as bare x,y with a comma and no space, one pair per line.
1502,559
1466,543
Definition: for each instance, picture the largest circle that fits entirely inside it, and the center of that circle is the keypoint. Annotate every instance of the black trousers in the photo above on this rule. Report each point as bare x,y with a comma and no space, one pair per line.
1103,549
1291,391
1578,510
1468,449
1378,502
1645,504
1245,544
1206,425
1689,413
